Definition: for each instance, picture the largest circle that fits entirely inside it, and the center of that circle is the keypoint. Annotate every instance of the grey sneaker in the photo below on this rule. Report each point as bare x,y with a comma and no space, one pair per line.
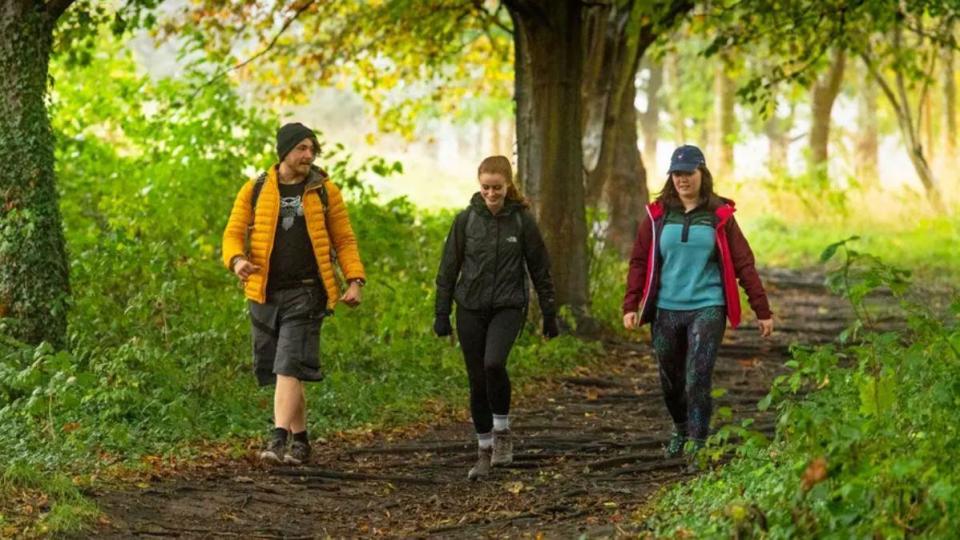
276,448
298,453
482,468
675,446
502,448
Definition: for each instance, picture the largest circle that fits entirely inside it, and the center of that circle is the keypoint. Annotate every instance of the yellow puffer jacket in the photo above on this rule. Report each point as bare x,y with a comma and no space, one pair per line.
265,227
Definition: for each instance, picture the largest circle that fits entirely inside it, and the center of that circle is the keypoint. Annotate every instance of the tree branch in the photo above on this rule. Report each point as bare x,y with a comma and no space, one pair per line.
898,108
526,8
678,8
286,25
927,77
55,8
928,73
492,18
901,85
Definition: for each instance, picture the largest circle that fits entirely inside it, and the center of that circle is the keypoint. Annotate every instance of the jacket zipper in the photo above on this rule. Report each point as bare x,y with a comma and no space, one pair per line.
651,264
496,260
273,234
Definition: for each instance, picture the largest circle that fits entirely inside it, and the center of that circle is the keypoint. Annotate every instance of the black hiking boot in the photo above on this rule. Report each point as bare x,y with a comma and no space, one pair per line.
675,446
482,468
502,448
298,453
276,448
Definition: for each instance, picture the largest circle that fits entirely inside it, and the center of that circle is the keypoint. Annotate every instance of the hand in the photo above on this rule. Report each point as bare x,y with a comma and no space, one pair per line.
550,329
631,320
441,326
766,327
244,269
352,296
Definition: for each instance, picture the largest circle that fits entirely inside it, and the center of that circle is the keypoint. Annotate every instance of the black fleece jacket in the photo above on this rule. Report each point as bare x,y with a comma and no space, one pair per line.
486,259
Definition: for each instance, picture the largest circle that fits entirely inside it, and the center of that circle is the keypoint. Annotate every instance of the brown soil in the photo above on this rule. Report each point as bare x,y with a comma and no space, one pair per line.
588,456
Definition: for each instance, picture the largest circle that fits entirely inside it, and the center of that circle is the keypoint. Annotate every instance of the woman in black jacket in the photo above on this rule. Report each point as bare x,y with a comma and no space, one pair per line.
491,246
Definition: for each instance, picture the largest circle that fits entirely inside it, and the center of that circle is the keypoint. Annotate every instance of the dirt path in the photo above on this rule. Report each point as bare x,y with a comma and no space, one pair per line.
588,457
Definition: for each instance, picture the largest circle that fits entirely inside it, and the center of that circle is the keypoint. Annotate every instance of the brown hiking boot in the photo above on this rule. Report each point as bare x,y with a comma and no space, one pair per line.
482,468
274,450
502,448
298,453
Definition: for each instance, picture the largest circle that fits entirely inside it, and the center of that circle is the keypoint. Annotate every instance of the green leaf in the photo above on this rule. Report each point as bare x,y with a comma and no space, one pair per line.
832,248
764,403
876,394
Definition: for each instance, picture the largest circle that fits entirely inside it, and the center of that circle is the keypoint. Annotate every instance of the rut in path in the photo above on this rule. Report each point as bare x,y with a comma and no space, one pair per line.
589,454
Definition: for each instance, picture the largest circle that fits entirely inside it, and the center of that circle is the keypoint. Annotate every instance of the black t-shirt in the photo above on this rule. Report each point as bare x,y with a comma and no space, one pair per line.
292,259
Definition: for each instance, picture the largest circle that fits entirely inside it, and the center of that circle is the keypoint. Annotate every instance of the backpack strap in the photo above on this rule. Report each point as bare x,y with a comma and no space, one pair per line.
462,224
257,188
324,198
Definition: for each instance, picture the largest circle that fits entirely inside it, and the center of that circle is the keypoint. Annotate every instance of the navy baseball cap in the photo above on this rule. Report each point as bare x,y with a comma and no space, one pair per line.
686,158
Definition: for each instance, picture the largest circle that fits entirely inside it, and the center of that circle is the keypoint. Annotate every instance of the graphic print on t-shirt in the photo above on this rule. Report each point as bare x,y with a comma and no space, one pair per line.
290,209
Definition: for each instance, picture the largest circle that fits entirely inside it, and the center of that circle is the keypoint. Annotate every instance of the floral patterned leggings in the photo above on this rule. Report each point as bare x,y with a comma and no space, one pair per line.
685,344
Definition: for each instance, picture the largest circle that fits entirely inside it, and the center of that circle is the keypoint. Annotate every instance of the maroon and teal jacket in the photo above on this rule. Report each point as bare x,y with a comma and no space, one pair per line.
736,263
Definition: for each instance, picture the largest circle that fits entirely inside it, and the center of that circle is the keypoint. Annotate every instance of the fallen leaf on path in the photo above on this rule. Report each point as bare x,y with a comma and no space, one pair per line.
514,487
748,362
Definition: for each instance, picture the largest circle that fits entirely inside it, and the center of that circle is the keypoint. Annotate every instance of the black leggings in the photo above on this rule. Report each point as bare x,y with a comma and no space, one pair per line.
685,344
486,338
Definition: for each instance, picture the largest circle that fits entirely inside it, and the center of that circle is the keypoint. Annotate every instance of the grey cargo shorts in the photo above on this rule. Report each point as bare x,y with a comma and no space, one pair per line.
286,334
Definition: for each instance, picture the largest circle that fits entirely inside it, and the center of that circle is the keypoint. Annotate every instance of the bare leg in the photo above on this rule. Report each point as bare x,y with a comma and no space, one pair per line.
288,404
299,422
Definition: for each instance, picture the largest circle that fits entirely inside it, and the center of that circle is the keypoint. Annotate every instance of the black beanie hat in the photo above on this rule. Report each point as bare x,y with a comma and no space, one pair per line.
290,136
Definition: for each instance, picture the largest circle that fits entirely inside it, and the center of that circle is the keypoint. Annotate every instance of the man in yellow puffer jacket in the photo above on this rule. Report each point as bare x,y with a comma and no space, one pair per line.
278,242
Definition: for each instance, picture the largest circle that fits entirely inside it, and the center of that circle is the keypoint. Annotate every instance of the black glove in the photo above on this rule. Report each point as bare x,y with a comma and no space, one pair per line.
441,326
550,329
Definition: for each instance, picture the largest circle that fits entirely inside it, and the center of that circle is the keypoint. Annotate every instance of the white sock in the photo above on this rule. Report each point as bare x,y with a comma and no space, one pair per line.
485,440
501,422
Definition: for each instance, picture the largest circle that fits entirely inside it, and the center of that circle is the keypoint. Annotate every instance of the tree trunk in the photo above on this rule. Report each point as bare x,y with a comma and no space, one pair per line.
724,123
611,157
777,129
34,285
949,137
674,71
604,51
626,191
650,118
496,141
949,103
824,94
949,131
899,101
928,140
617,36
867,145
549,58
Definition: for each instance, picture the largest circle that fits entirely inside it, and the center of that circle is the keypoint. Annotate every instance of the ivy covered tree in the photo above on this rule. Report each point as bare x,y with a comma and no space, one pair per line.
34,275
